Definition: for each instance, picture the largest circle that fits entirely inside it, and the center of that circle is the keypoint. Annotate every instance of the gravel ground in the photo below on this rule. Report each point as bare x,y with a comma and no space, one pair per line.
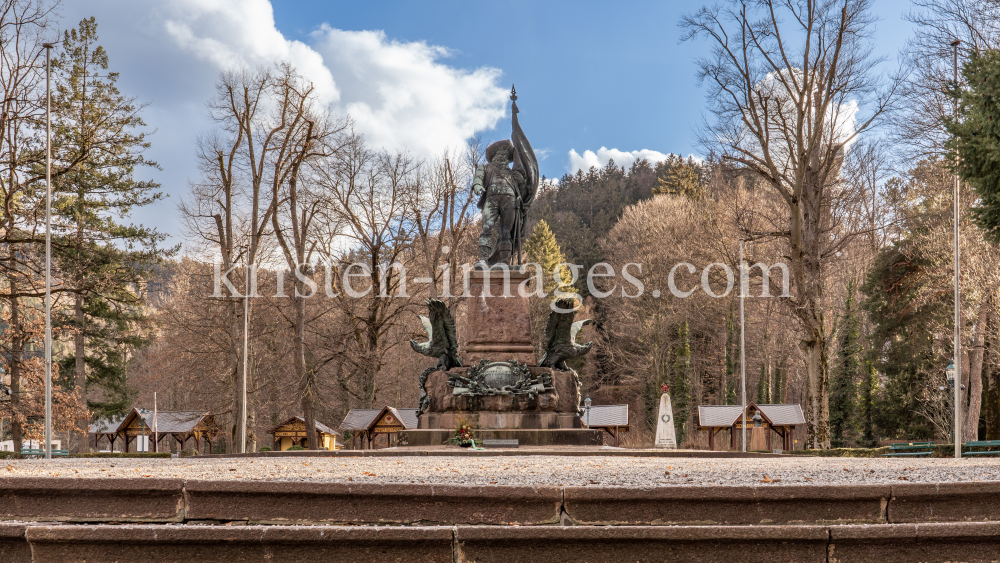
531,470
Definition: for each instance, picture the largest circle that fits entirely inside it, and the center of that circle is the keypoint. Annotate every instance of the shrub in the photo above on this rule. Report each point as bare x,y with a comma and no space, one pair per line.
296,447
265,449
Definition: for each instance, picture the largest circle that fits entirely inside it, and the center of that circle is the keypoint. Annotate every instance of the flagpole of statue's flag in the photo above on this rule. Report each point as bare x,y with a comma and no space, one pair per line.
48,255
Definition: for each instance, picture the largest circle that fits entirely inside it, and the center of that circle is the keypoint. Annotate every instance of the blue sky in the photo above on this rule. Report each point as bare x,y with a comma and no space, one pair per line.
589,74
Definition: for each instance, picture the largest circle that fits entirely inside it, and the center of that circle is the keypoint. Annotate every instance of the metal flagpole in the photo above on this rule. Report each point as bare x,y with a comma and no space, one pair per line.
48,254
958,305
743,367
246,347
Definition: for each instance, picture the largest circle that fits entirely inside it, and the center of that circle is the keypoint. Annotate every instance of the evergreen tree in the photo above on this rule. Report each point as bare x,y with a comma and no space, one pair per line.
105,260
732,353
542,248
763,391
975,137
846,375
902,339
866,405
681,385
680,179
779,387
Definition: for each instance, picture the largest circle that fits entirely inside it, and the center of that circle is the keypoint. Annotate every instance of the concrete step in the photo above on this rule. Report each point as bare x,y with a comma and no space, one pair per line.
887,543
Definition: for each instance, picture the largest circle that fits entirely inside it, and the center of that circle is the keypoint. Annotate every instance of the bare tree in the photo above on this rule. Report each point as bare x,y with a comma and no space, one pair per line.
296,198
442,206
23,24
785,82
371,192
245,163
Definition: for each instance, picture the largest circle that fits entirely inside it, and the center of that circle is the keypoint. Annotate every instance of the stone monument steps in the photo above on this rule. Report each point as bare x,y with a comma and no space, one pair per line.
176,520
155,543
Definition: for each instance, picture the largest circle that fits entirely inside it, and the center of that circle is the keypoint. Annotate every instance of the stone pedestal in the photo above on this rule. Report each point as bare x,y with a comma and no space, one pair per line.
499,322
547,437
498,330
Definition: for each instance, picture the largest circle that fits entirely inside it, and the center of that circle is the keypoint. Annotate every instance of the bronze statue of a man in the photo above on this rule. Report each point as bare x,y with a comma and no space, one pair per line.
505,194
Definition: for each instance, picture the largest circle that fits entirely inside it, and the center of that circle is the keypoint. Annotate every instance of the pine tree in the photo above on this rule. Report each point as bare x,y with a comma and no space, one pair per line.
846,375
106,261
779,387
975,139
681,384
681,179
732,353
869,385
763,397
543,249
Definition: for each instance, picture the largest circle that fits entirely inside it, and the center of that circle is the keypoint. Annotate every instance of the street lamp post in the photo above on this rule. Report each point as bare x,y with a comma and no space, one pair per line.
142,418
950,375
956,360
48,253
586,404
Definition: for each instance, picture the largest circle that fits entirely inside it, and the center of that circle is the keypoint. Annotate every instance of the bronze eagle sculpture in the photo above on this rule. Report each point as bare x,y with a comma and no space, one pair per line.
441,342
560,336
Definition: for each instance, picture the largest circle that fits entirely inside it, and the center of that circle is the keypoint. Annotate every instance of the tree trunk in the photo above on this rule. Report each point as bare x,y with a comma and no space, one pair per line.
80,351
974,392
817,391
304,375
991,392
17,354
236,338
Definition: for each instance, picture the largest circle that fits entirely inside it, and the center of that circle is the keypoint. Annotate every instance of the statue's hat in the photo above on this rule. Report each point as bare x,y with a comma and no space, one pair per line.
491,150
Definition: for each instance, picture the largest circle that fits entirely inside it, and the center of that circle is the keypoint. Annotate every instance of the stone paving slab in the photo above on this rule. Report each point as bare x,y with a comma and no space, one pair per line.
284,502
92,500
951,502
13,547
970,542
801,544
224,544
679,505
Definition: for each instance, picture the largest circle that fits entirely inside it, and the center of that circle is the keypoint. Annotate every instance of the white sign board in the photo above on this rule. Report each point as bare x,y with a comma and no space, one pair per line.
666,437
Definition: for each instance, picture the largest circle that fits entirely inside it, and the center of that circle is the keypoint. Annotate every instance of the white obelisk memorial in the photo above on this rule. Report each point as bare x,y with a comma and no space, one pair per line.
666,436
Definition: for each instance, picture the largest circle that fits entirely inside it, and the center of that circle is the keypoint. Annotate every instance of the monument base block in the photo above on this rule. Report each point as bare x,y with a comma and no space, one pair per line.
492,420
552,437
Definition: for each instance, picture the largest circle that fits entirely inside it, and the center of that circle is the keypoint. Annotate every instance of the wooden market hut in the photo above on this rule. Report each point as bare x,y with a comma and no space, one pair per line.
292,432
774,420
181,426
106,430
369,424
613,419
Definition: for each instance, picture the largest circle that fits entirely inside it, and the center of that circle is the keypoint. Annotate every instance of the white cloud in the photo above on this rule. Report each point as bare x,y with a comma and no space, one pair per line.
400,95
600,159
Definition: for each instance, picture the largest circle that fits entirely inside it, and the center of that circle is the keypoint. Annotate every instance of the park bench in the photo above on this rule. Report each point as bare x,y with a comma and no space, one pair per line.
39,451
499,443
983,444
911,449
